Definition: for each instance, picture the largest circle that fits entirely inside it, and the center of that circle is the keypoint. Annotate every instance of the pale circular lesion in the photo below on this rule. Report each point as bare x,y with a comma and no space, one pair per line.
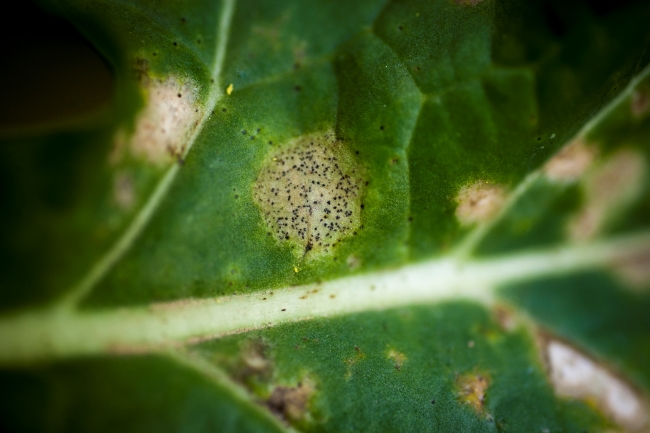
309,193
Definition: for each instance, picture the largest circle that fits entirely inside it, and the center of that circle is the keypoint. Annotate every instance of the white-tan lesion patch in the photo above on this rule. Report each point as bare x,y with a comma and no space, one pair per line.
124,190
575,375
353,262
479,202
163,127
570,162
309,193
633,270
609,189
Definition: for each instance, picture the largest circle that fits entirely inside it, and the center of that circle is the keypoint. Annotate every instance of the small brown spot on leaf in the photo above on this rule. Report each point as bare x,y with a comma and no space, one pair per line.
353,360
291,403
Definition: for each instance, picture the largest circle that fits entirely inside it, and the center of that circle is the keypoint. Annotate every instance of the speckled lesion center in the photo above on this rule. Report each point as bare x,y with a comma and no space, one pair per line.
309,193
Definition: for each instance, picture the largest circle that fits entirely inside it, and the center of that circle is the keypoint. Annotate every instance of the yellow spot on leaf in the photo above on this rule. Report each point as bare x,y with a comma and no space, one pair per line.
397,357
472,389
229,89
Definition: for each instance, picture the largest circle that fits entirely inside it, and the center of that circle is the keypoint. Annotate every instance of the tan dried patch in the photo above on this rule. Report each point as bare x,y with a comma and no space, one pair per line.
634,270
309,193
124,190
255,359
570,162
609,189
397,357
640,103
120,143
353,262
479,202
574,375
505,318
472,389
291,403
165,124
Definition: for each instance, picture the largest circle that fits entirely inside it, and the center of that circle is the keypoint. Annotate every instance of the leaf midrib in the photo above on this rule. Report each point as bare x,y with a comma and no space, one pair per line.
46,334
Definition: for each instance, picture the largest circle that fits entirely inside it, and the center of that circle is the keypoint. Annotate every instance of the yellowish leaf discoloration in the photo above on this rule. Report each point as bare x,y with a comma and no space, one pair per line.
472,390
398,358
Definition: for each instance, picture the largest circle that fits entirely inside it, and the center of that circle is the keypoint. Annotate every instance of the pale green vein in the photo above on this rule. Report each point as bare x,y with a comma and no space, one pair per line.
141,220
469,244
44,335
222,380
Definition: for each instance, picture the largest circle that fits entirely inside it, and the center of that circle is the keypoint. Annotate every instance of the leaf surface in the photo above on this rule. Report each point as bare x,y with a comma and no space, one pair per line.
456,238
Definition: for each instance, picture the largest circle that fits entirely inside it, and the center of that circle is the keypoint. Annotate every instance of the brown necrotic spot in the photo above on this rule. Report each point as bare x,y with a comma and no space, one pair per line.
290,403
309,193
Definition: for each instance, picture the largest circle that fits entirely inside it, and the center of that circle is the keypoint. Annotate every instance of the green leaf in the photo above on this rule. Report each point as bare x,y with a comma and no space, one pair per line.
336,216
